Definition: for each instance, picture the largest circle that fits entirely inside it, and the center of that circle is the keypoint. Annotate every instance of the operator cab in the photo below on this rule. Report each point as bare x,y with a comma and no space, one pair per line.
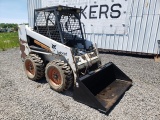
61,24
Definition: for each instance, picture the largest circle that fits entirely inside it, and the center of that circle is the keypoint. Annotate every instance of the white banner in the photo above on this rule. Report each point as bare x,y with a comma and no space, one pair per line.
98,16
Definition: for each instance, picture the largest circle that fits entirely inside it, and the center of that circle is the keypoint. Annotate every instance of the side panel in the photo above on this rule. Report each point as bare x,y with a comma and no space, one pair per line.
55,48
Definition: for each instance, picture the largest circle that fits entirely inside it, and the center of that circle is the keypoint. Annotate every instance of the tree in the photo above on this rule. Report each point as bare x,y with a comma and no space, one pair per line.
9,25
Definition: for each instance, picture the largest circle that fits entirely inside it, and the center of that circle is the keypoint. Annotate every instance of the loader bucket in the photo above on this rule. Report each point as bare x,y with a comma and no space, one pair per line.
102,88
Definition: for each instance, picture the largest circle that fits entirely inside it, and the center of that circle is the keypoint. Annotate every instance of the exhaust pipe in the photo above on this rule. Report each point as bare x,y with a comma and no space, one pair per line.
102,88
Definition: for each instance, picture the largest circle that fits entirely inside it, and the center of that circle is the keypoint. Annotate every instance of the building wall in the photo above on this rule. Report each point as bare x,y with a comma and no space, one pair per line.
121,25
31,5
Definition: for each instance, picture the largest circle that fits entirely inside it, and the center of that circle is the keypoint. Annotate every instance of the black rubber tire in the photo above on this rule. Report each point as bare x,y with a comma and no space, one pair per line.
38,67
65,72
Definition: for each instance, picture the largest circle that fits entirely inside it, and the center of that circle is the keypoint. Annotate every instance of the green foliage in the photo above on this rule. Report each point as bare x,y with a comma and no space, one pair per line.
8,40
9,25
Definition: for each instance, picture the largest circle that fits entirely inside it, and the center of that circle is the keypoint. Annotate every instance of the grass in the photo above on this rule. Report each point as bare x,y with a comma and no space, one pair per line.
8,40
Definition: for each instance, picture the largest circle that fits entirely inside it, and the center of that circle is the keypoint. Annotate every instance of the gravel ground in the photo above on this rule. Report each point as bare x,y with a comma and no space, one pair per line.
21,98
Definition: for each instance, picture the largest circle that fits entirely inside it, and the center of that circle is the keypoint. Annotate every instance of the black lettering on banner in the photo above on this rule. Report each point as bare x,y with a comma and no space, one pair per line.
90,12
117,11
103,12
82,12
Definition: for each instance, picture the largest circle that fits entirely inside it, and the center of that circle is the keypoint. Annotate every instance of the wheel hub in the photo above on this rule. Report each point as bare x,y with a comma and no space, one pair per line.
29,67
54,75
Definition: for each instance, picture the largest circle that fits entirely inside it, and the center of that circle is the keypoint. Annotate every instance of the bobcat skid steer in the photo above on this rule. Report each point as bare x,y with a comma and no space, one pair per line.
56,48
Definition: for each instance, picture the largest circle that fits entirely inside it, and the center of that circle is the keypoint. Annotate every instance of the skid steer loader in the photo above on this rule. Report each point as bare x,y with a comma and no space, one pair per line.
56,48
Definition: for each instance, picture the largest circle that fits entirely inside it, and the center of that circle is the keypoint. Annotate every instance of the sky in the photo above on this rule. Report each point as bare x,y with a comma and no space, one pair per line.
13,11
